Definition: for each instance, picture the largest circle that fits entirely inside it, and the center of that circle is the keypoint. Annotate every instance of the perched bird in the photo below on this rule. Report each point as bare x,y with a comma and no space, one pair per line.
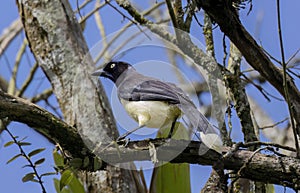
156,104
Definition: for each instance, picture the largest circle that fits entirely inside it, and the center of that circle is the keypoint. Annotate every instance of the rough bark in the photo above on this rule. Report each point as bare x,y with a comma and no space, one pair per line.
56,40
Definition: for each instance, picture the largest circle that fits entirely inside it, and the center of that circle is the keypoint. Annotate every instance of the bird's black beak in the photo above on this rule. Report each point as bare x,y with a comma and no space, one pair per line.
102,73
99,72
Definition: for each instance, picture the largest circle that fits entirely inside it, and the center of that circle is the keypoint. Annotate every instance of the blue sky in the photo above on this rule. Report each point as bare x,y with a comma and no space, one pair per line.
265,33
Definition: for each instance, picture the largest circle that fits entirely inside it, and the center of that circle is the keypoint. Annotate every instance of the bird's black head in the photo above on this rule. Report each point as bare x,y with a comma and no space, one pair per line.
112,70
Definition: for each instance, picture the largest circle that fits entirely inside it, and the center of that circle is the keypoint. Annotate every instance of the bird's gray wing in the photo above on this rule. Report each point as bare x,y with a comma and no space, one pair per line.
152,90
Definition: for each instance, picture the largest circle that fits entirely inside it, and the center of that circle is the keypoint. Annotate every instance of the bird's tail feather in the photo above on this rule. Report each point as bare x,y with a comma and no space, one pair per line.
208,134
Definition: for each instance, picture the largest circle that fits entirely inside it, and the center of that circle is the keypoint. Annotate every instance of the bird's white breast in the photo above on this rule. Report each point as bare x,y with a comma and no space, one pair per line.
152,114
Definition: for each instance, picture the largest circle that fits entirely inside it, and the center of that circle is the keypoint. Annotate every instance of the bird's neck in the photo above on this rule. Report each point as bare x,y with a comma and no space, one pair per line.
125,75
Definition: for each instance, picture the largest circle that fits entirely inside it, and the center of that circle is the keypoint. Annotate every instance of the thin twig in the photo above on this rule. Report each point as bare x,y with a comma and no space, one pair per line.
244,166
172,13
259,143
261,89
293,56
85,3
129,24
249,160
28,80
274,125
224,50
42,96
292,66
272,57
77,5
101,29
197,21
32,165
190,13
125,16
12,83
286,92
9,34
53,108
126,42
88,15
38,86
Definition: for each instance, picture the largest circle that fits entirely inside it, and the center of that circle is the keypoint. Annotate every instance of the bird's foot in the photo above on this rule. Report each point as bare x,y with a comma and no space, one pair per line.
123,141
120,138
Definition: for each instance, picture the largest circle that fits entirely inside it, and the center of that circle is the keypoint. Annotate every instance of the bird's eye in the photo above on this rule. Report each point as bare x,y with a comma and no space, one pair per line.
112,65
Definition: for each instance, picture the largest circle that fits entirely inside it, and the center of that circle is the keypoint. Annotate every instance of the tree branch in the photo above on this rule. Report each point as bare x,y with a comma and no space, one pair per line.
56,130
259,167
238,94
9,34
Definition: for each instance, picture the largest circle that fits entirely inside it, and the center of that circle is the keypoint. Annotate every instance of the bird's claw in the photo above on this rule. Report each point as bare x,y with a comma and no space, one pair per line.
123,140
120,138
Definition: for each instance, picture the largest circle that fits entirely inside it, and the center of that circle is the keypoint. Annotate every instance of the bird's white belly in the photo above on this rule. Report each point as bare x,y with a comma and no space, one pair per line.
152,114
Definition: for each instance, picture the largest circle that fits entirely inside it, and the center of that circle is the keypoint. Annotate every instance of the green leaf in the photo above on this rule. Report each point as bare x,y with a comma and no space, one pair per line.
97,163
28,177
65,179
86,162
26,166
13,158
58,159
36,151
24,143
23,138
34,180
56,185
76,162
49,174
40,161
9,143
76,186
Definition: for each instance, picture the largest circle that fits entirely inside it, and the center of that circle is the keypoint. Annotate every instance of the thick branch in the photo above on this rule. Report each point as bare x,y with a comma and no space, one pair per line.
238,93
56,130
263,168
